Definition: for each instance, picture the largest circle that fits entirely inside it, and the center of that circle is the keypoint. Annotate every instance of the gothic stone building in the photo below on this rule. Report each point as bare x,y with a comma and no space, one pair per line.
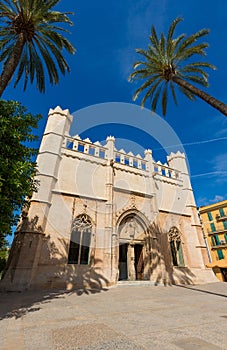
101,215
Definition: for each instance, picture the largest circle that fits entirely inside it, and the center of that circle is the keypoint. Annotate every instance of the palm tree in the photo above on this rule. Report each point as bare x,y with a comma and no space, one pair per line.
168,61
31,42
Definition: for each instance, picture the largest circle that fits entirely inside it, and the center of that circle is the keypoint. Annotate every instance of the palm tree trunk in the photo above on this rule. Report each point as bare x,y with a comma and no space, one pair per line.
12,64
201,94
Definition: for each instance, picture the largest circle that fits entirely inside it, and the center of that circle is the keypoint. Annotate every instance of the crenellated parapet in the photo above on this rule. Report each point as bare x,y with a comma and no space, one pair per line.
178,161
122,159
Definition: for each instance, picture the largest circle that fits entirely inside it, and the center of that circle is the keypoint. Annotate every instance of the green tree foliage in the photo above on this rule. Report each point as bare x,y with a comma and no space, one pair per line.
32,41
4,252
17,162
168,62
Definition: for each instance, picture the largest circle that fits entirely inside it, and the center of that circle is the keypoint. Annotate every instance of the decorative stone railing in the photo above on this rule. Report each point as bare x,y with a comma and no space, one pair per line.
165,170
120,157
85,146
130,159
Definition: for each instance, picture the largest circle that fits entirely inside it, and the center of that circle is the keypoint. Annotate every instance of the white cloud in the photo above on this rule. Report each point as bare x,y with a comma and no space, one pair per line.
221,132
206,201
217,170
220,166
144,14
217,198
216,123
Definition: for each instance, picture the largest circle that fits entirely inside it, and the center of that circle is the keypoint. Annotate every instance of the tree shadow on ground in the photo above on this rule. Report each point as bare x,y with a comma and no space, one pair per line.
18,304
50,277
202,290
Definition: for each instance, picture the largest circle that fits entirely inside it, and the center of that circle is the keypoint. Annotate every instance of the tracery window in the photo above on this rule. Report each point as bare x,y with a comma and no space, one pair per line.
79,248
176,247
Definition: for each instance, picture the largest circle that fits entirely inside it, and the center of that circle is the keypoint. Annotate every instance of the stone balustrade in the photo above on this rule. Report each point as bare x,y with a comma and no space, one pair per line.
85,146
165,170
120,156
130,159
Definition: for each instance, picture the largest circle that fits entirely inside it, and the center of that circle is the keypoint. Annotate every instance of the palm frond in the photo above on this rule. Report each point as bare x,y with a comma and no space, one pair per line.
203,64
173,92
156,98
187,93
162,46
150,92
43,28
167,58
154,38
144,86
192,39
191,69
139,74
21,69
164,98
196,79
170,35
195,50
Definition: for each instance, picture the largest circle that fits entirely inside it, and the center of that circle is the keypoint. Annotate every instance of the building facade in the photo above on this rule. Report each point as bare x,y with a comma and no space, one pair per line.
214,219
101,215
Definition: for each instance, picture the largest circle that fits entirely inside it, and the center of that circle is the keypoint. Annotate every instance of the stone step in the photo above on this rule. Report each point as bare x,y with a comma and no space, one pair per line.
138,283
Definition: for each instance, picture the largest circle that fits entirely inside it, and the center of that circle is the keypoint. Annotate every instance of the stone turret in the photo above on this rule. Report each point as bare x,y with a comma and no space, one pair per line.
26,249
178,162
48,160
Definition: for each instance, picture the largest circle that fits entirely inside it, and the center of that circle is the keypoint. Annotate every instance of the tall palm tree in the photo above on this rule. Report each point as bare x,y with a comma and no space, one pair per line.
167,62
31,42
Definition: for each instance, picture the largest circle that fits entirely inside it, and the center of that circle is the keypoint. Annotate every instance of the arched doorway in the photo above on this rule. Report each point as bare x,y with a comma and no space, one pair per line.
132,251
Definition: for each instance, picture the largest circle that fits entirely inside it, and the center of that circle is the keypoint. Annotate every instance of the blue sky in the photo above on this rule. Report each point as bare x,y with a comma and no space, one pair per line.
106,35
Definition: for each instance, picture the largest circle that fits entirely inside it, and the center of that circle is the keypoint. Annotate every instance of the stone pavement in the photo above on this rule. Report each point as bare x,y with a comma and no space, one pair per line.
126,317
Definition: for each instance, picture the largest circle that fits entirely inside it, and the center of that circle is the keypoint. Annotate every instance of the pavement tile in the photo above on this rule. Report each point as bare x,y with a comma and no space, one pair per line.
134,317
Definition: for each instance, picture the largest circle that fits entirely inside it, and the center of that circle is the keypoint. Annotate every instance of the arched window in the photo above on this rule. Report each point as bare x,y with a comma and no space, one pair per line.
176,247
79,248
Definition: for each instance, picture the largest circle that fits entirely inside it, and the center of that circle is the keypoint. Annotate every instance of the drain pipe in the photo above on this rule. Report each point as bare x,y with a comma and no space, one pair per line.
205,237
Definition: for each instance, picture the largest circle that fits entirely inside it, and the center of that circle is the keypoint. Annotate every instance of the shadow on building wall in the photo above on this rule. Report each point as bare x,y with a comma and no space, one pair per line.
159,260
60,274
37,271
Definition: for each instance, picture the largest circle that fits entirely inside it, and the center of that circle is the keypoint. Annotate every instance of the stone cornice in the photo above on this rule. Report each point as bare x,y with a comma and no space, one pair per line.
77,195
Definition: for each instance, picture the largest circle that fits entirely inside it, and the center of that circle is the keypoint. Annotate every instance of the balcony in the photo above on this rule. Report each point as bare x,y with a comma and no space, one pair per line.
221,217
222,244
222,230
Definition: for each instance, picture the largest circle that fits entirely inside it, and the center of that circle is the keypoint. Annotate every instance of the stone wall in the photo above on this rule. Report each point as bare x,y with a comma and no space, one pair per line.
130,200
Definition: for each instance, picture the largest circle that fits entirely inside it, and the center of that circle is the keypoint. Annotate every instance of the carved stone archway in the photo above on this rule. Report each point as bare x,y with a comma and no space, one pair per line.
132,228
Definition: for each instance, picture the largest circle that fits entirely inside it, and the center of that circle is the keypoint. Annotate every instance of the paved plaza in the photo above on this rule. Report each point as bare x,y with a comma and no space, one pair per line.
133,317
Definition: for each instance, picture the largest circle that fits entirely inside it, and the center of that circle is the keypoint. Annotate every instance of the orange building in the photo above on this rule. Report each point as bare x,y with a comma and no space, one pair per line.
214,219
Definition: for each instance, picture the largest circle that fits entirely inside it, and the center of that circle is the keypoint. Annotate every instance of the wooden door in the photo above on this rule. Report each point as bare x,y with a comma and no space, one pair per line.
123,266
139,263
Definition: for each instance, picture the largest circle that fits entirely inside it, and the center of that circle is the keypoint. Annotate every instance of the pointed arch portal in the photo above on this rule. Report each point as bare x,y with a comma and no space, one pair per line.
132,229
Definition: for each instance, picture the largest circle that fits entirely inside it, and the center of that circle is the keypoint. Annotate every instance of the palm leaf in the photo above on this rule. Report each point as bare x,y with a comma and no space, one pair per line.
192,39
164,98
150,92
170,35
166,59
47,38
173,93
155,98
144,86
187,93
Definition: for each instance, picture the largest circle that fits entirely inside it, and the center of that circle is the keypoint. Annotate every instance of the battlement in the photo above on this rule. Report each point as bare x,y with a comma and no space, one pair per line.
98,151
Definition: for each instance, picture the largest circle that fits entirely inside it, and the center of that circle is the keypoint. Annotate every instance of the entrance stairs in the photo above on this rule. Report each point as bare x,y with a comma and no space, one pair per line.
125,283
